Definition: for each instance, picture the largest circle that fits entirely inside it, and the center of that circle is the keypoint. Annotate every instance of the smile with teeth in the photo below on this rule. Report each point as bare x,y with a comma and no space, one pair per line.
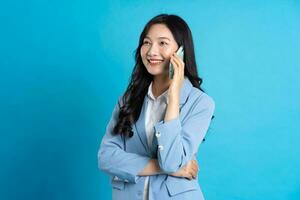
154,61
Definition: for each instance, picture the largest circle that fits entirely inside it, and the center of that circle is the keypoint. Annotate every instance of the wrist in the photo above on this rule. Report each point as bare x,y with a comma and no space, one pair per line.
157,167
173,97
173,92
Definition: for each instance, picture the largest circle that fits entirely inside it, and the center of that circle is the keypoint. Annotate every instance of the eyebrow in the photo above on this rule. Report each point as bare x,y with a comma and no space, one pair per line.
158,38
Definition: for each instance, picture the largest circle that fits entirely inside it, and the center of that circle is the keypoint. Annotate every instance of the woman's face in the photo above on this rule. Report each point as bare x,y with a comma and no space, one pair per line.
158,46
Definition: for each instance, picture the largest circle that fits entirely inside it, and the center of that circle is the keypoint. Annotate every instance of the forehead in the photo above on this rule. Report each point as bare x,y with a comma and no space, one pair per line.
159,31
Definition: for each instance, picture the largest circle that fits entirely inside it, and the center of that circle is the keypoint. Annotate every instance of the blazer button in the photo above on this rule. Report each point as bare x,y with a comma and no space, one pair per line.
157,134
161,147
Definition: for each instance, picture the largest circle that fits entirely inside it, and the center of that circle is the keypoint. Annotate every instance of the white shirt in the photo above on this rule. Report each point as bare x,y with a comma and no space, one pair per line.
155,112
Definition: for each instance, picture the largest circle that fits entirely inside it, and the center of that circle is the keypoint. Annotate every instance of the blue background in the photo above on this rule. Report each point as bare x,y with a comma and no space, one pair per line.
64,64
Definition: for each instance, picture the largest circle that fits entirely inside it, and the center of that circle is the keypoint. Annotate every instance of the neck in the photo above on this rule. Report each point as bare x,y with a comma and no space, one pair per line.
160,84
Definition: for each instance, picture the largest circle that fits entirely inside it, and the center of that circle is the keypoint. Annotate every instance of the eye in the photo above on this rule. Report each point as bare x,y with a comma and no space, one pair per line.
162,43
146,42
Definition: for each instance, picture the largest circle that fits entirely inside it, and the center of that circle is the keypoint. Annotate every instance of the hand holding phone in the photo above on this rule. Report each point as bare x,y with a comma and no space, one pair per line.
180,53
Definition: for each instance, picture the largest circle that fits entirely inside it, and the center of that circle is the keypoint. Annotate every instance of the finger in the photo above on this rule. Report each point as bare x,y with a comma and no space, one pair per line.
176,69
174,61
192,175
179,59
188,173
194,164
180,63
195,168
192,172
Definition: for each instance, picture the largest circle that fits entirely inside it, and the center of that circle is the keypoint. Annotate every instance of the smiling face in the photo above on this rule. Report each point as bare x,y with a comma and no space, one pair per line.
158,46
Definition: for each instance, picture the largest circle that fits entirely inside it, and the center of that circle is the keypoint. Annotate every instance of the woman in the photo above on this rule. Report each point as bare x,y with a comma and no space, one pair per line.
158,124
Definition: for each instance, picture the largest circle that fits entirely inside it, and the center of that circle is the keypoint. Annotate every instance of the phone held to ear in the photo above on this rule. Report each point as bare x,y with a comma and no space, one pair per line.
180,53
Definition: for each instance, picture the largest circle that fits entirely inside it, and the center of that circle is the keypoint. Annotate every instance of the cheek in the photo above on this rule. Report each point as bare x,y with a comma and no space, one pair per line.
143,54
142,51
168,52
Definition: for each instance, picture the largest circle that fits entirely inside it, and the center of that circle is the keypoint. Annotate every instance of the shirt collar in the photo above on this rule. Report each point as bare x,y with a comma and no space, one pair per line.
163,96
184,93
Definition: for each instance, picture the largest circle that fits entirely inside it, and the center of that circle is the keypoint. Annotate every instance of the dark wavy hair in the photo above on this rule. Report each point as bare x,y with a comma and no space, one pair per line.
133,98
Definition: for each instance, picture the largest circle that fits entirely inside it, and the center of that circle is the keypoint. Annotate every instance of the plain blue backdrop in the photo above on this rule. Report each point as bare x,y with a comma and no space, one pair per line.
64,64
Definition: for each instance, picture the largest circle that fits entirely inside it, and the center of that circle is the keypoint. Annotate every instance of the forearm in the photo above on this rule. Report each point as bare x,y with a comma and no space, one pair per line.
152,168
177,142
173,107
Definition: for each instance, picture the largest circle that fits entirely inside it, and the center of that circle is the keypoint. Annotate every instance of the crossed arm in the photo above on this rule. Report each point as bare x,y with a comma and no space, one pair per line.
176,159
189,170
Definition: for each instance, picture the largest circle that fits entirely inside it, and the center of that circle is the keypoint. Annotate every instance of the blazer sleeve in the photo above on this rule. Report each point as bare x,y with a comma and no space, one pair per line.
178,143
114,160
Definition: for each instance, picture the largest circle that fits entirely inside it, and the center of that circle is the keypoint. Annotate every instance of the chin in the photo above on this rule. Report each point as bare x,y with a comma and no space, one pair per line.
154,71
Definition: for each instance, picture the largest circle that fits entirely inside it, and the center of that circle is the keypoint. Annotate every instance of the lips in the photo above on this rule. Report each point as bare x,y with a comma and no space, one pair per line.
154,61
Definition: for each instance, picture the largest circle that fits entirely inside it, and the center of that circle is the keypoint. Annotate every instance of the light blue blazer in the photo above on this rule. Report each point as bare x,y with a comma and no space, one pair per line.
175,143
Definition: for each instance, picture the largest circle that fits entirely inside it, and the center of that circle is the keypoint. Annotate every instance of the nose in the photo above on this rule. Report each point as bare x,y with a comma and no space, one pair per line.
152,51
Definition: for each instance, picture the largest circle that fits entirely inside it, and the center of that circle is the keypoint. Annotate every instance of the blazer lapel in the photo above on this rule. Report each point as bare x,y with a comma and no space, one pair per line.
185,91
140,123
140,126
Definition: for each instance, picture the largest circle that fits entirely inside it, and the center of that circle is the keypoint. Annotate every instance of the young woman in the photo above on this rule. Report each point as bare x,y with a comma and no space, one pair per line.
150,145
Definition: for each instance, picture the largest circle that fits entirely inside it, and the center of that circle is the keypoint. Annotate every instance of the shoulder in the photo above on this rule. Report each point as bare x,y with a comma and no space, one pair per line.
199,100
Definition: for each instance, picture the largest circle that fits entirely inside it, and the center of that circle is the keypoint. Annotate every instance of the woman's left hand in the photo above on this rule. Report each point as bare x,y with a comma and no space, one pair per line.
178,77
189,171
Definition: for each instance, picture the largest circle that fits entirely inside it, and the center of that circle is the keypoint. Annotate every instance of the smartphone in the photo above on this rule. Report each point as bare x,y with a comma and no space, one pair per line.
180,54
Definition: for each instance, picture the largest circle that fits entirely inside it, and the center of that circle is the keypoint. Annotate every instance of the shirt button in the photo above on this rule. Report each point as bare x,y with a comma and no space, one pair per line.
161,147
157,134
140,193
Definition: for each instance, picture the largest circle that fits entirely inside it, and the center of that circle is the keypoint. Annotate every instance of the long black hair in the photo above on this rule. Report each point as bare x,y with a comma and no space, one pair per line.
133,98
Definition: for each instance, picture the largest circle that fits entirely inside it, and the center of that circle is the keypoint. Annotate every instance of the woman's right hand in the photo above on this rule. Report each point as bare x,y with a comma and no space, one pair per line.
190,170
